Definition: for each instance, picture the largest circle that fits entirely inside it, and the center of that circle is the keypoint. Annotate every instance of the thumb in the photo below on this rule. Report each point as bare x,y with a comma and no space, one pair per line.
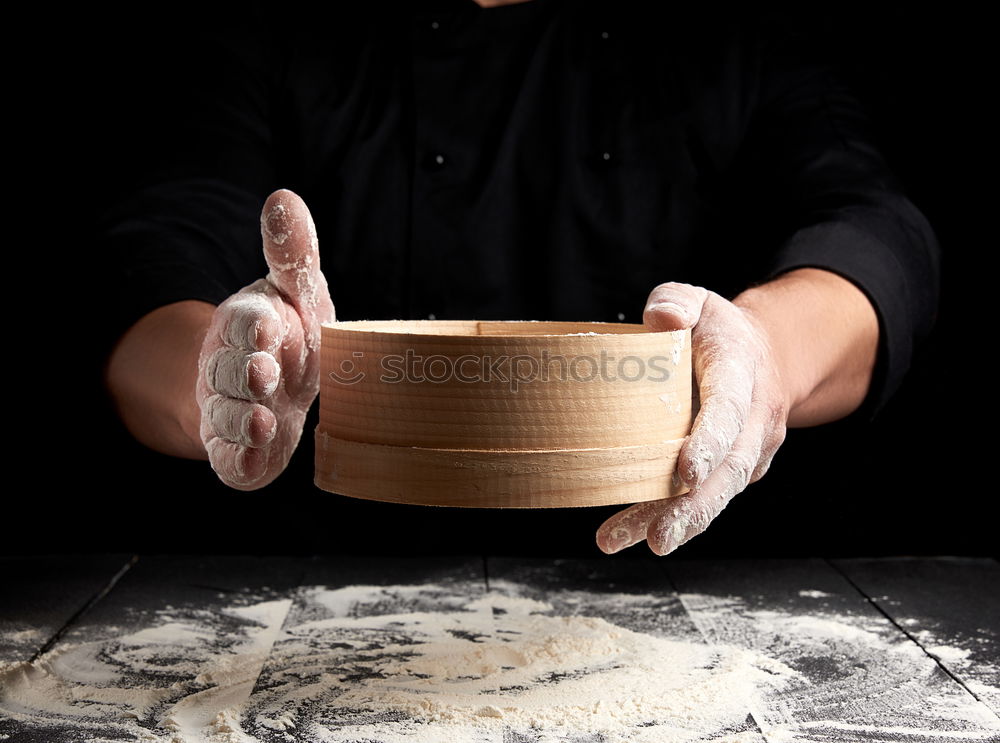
292,254
674,306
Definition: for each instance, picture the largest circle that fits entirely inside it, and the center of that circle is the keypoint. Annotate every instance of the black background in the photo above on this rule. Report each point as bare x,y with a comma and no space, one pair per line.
915,481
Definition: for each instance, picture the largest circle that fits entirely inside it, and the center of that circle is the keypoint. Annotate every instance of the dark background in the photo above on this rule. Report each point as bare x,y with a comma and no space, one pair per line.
915,481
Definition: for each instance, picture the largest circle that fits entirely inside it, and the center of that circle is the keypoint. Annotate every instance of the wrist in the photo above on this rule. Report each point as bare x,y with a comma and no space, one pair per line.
188,424
822,335
789,379
152,375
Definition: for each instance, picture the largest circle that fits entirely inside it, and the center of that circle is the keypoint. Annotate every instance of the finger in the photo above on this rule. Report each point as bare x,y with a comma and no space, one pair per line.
674,306
232,372
292,254
725,367
248,320
239,421
682,518
726,387
772,442
690,514
734,473
627,527
237,466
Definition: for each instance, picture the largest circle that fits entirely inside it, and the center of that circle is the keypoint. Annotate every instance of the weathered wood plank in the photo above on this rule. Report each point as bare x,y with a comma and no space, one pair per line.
39,595
861,679
337,571
949,606
184,647
582,587
127,662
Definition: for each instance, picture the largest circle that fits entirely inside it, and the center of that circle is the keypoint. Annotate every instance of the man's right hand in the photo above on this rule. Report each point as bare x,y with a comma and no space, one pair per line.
258,370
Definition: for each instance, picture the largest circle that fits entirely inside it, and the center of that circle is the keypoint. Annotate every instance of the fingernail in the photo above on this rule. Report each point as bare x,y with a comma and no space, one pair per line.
672,537
265,370
617,540
692,475
672,307
699,466
276,224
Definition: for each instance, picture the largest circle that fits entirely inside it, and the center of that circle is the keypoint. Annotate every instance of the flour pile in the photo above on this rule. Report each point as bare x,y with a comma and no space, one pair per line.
494,666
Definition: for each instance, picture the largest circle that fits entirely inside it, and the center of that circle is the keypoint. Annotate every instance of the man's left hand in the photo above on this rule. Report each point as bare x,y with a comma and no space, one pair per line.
738,429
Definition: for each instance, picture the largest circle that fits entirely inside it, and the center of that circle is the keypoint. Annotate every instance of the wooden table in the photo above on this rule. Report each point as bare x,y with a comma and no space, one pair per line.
940,615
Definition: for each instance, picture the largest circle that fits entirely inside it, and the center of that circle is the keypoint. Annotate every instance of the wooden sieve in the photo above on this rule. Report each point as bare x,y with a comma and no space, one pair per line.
502,414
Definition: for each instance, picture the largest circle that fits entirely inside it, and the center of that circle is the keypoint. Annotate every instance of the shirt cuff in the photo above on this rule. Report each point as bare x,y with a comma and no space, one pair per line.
140,290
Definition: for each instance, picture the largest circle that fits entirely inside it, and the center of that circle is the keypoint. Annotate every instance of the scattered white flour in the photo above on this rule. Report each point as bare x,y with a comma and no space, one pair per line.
175,676
678,349
440,663
863,675
966,660
814,594
671,401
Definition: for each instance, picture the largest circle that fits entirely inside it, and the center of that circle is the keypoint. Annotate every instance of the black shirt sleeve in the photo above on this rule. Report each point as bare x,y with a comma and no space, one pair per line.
191,160
809,154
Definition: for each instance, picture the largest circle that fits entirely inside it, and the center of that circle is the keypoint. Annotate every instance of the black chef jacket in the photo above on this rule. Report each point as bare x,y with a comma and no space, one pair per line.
545,160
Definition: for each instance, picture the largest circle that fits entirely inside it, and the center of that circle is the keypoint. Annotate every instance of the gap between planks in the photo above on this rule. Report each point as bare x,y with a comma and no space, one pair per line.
87,606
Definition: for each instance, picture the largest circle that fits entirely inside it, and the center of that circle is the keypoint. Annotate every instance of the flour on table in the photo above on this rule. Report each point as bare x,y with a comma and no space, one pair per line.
493,666
812,593
439,663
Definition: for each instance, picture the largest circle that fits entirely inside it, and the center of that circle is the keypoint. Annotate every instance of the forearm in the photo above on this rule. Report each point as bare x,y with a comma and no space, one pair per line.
823,332
152,373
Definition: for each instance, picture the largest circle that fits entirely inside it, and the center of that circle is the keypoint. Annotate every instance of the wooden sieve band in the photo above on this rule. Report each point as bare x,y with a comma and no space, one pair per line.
497,478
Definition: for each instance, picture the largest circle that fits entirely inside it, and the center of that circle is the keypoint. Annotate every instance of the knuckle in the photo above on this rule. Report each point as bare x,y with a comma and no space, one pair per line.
699,455
762,468
778,435
210,404
777,409
226,418
699,521
672,286
246,315
723,416
235,373
737,408
215,360
741,467
214,414
218,453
